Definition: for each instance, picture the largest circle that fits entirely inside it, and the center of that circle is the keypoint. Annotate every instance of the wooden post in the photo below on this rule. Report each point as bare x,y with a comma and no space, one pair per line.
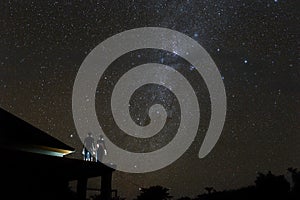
106,186
81,188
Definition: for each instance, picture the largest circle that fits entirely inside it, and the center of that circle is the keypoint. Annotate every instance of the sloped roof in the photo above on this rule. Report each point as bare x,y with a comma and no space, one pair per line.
17,134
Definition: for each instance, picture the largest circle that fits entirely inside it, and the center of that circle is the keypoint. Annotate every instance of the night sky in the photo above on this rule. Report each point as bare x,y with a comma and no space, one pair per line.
255,45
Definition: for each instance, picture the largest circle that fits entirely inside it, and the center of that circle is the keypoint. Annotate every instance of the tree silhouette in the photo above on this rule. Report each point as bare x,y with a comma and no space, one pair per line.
209,189
98,197
184,198
269,185
296,181
154,193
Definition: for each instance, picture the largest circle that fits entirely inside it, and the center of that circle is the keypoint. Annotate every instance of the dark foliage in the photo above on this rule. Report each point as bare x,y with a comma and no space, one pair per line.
154,192
267,186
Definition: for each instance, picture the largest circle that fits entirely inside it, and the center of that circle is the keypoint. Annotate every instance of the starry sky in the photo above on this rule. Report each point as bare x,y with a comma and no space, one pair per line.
255,45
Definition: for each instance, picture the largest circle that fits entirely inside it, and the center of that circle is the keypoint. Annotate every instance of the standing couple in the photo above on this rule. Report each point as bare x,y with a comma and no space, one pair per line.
91,148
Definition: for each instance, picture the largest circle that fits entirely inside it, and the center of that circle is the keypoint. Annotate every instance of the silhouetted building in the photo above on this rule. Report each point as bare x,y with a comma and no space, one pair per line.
33,165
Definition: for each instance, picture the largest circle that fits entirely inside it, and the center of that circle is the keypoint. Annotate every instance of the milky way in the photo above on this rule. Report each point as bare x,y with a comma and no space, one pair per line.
253,43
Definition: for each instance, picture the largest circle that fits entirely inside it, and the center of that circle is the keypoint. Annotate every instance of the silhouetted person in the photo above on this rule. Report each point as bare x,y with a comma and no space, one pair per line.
89,146
100,149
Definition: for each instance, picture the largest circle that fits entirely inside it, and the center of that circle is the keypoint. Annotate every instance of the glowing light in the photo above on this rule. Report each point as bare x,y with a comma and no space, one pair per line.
192,68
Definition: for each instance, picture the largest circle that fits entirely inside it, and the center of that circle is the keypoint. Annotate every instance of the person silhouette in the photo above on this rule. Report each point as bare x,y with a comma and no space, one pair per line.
89,146
100,149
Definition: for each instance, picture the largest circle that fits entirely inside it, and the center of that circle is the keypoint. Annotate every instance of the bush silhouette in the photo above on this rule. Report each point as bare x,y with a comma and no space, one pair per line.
269,185
154,193
184,198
